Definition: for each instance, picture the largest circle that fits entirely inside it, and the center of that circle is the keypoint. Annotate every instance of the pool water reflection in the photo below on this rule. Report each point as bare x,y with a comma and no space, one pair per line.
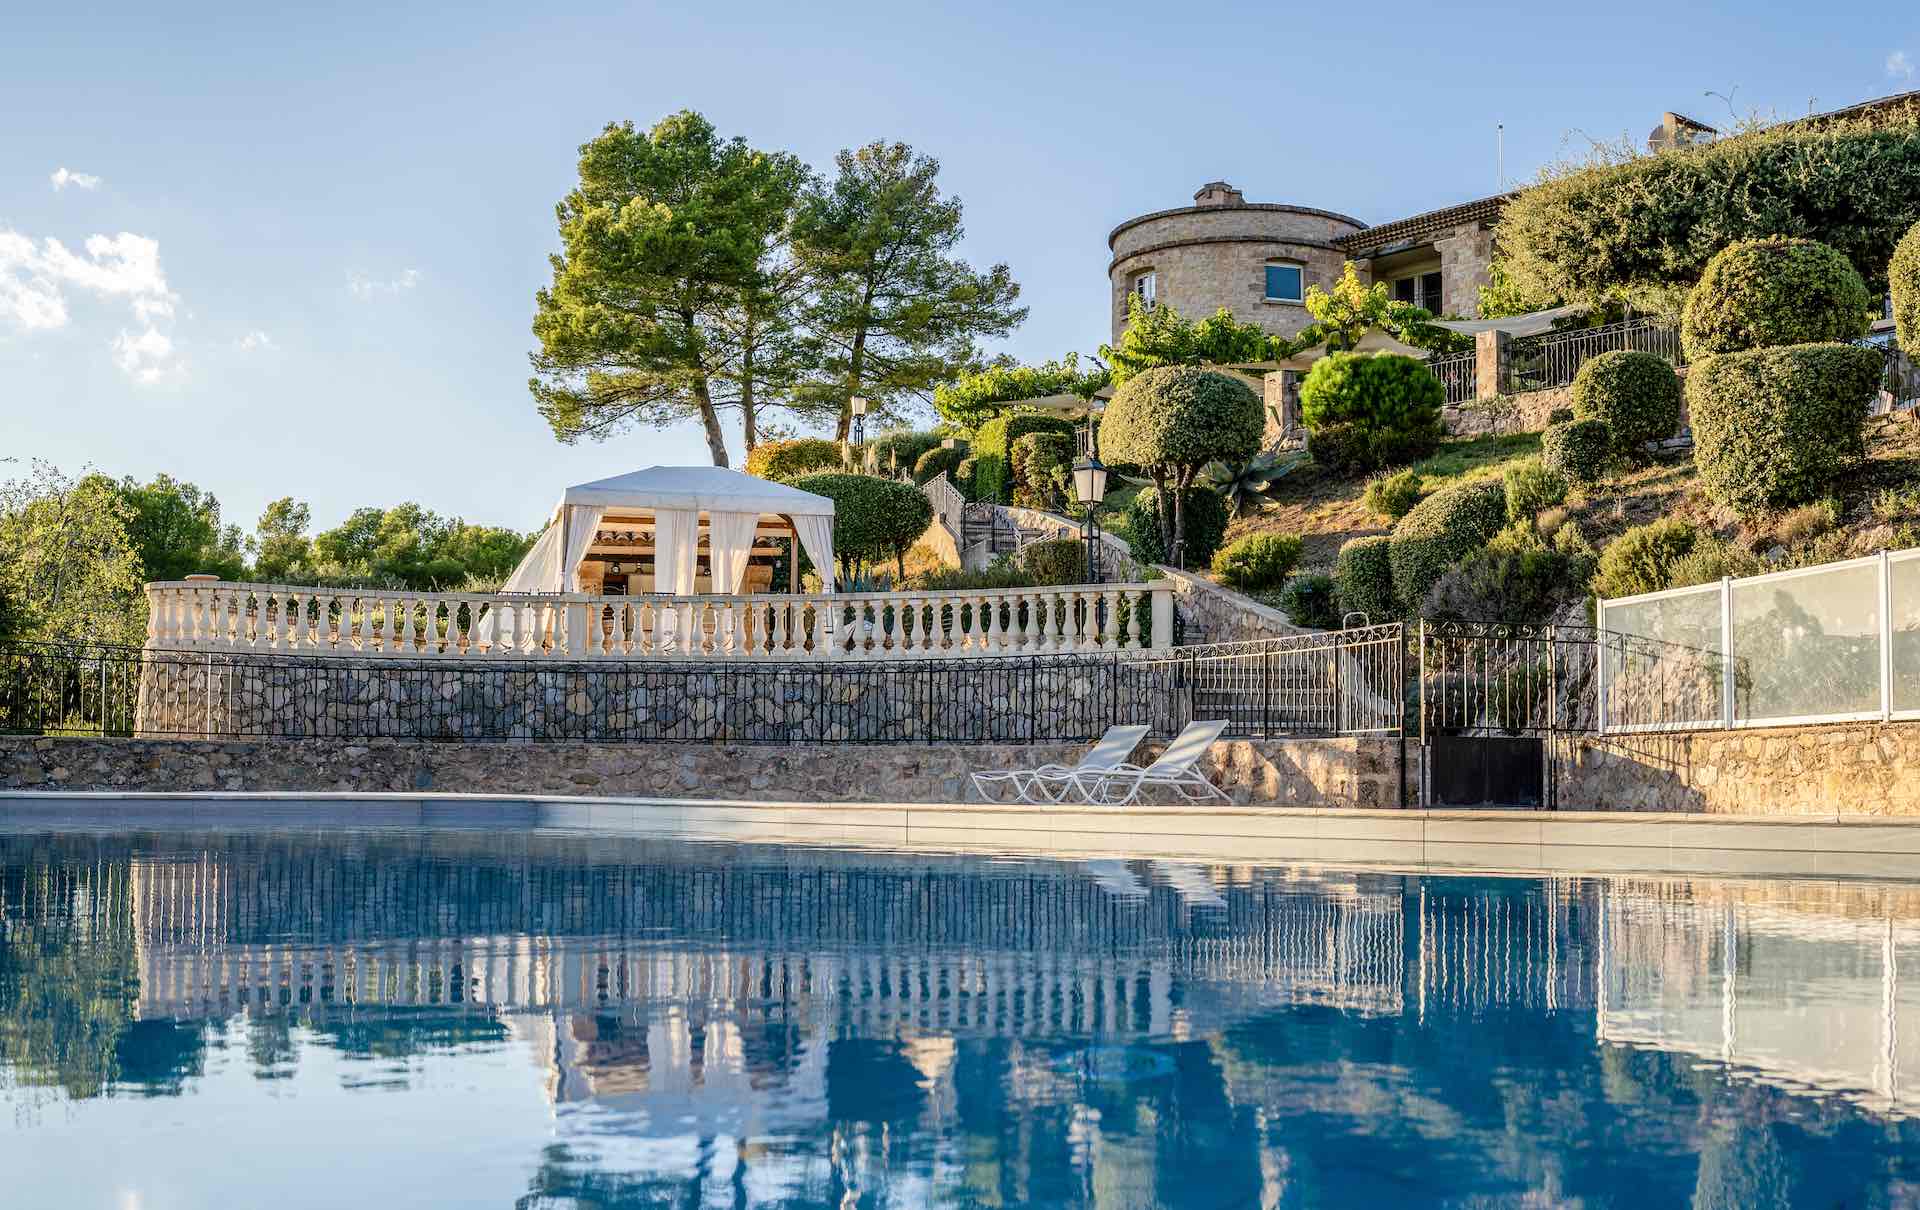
490,1018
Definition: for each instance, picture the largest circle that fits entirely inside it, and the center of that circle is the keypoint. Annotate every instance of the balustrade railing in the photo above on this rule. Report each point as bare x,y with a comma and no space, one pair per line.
1551,359
1458,373
203,616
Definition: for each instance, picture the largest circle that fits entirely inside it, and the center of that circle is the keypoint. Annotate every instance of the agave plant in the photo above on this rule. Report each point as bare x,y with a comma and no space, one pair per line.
1246,486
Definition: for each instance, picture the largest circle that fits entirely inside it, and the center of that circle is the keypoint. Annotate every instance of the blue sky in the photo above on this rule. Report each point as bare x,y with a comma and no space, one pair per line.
295,252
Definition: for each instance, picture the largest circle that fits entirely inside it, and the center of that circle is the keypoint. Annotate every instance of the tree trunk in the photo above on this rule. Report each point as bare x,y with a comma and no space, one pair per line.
710,420
749,423
856,363
1163,515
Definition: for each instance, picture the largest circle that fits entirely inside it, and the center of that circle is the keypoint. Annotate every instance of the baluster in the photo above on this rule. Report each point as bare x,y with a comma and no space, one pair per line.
1054,634
1140,600
389,625
990,630
1112,638
1035,628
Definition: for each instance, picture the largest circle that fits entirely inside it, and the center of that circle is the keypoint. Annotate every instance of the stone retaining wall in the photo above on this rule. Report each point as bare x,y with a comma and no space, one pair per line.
1313,772
1223,615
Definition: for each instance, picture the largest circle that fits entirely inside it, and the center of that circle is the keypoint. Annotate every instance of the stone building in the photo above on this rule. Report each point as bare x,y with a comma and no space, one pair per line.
1257,258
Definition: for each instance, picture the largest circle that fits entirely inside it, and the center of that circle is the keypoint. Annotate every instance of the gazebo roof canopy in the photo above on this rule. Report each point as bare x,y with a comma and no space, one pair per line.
706,489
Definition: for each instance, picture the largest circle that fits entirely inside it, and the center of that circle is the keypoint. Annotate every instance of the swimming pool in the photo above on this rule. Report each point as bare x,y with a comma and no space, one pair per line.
485,1017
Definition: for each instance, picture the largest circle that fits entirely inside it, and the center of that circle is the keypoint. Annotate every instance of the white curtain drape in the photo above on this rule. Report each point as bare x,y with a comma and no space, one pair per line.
729,542
538,571
675,534
816,538
583,521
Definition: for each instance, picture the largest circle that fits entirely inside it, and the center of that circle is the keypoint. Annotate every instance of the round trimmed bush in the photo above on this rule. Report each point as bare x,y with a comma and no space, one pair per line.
1560,415
873,518
1055,561
1312,600
1388,403
1903,283
788,460
1579,450
1257,562
1392,496
1182,416
1440,531
1364,578
937,460
1205,511
963,477
1643,558
1531,486
1773,427
1777,291
1636,395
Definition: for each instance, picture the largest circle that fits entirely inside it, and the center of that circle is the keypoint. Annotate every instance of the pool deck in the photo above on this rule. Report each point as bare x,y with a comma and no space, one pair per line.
1855,846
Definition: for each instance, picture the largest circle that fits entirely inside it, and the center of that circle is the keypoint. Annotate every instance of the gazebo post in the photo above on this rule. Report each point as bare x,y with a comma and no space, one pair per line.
793,557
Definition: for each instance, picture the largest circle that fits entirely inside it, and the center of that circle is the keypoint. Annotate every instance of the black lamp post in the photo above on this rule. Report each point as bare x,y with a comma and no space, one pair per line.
857,432
1089,488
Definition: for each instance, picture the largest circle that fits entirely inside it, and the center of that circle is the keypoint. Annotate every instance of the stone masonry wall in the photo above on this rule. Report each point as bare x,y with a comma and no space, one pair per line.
1843,768
1223,615
1315,772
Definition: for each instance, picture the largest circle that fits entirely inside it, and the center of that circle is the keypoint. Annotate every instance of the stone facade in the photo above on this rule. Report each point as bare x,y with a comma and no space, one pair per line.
1844,768
1308,772
1214,254
1222,615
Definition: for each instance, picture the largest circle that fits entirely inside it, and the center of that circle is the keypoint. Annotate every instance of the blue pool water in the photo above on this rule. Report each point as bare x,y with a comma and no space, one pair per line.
473,1018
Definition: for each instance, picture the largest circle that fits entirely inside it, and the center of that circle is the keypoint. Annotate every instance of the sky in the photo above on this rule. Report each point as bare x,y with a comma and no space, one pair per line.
293,250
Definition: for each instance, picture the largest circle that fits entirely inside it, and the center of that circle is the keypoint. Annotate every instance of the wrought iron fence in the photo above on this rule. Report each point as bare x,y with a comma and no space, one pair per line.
1551,359
1350,682
1458,373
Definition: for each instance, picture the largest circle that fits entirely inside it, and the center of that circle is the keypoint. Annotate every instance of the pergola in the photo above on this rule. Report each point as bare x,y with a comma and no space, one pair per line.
663,513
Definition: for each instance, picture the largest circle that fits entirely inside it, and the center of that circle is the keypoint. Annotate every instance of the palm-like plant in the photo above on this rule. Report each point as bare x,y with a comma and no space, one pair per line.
1246,486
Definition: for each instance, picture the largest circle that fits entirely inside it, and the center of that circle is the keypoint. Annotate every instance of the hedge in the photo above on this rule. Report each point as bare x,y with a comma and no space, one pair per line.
1636,395
963,477
993,451
1773,427
1364,578
1515,577
936,460
1903,283
1643,558
910,446
1382,408
1579,450
1765,292
1206,518
1055,561
873,518
1440,531
1312,600
1257,562
787,460
1040,465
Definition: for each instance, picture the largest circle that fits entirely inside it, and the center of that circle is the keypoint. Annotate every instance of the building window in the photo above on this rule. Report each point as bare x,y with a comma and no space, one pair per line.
1147,287
1422,290
1283,283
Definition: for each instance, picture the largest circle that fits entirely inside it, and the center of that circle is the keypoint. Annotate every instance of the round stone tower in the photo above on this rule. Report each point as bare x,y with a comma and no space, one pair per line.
1254,258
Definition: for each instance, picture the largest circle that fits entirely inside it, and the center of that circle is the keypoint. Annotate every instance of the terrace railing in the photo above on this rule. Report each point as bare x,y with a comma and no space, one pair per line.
233,617
1459,373
1551,359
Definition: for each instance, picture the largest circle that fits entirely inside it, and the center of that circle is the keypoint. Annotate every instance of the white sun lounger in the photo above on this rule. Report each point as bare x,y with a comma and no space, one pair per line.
1119,784
1032,785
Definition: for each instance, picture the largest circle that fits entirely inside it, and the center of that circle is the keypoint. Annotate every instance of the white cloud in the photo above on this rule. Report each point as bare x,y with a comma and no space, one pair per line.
1899,66
79,180
254,341
364,286
36,280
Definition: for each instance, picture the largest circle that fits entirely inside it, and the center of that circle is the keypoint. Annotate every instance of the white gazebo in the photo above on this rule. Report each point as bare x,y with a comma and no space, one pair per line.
664,516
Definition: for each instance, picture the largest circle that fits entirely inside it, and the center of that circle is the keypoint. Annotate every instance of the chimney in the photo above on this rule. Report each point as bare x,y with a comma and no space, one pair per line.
1678,130
1218,193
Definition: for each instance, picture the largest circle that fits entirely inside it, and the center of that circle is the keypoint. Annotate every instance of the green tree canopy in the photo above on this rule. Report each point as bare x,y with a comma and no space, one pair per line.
1173,420
68,568
1160,336
175,528
282,550
973,399
661,289
893,310
1351,310
409,545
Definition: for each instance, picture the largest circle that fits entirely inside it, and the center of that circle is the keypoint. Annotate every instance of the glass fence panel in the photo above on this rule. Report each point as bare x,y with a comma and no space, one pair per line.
1904,579
1664,667
1807,645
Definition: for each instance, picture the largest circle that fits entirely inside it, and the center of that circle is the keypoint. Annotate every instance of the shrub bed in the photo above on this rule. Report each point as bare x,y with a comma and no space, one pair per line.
1312,600
993,451
1531,486
1363,577
1772,427
1643,558
1636,395
1440,531
1376,409
1777,291
873,518
1579,450
1257,562
1206,517
937,460
1055,561
1392,496
788,460
1903,283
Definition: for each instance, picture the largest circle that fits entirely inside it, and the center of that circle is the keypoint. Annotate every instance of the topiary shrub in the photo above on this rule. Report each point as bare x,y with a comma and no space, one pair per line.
1388,403
1172,421
963,477
937,460
1257,562
1560,415
1643,558
1772,427
1055,561
1312,600
1531,486
873,518
1392,496
1777,291
902,448
1636,395
993,451
788,460
1579,450
1516,577
1903,284
1364,578
1206,516
1440,531
1041,463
